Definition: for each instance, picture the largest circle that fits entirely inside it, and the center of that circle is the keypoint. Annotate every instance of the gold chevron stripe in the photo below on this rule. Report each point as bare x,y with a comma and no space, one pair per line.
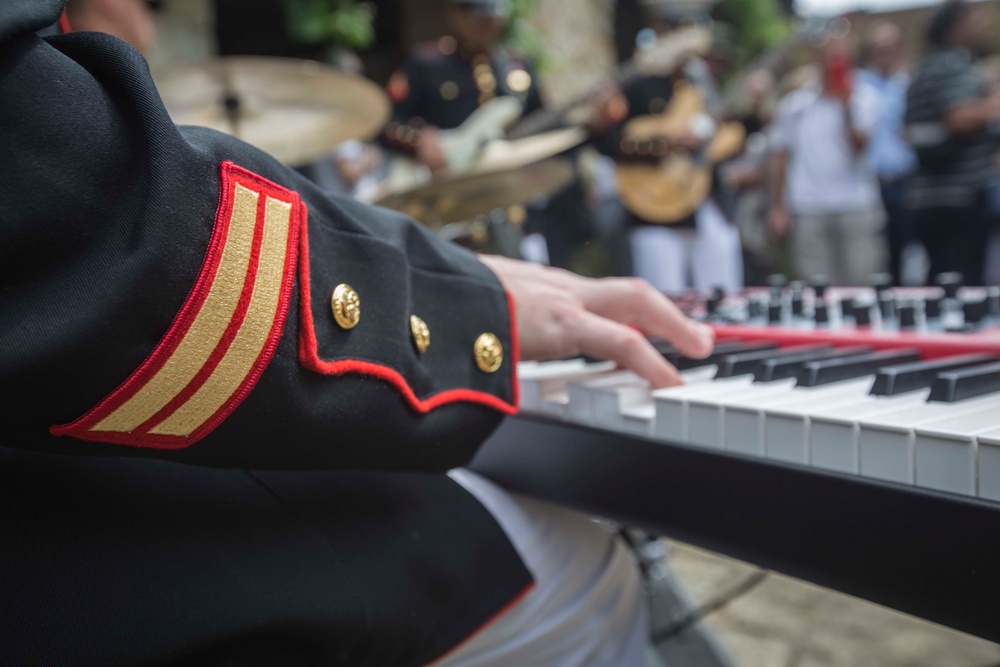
246,347
207,329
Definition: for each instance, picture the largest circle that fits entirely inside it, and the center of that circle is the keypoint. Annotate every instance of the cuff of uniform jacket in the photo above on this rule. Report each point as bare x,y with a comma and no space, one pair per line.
458,312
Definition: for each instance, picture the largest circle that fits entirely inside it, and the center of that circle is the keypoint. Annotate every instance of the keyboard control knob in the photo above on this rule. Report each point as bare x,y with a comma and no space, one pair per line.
907,314
993,301
820,313
820,285
797,303
862,314
774,312
950,282
882,282
932,308
974,312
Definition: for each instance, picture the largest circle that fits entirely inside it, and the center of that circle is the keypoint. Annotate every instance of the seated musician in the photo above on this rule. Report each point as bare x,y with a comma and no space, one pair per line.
702,250
226,390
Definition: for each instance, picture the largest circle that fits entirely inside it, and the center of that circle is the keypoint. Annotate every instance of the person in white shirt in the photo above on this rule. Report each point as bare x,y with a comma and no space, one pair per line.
825,195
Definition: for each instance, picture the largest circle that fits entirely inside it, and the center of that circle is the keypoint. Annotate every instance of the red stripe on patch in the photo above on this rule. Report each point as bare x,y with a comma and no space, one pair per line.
231,176
309,357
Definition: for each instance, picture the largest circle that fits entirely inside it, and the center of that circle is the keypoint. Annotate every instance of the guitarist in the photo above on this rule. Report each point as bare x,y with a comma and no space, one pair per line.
442,83
702,251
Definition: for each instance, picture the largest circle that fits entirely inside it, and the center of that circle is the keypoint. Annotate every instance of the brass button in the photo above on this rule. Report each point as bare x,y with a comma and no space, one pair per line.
346,306
421,333
489,353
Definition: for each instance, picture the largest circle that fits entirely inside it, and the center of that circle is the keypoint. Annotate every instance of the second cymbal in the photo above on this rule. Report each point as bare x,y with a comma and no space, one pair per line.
296,110
451,199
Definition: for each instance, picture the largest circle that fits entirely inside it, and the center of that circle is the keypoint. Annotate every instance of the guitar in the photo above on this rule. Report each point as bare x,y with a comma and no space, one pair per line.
672,189
496,121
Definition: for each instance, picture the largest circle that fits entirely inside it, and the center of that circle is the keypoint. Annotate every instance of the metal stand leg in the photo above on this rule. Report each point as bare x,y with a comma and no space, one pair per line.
676,638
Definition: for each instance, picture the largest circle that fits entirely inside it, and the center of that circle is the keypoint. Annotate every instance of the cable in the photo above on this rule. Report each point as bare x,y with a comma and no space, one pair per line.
713,605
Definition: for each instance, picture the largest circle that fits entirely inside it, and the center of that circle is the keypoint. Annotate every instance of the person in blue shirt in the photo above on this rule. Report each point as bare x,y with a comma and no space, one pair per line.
891,157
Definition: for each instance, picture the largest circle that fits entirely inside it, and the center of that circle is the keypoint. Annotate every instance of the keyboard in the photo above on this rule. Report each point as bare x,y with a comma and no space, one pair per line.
846,450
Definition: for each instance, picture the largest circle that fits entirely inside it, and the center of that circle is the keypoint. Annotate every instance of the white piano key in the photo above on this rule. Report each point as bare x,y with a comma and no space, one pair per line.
989,465
610,401
886,441
786,424
671,422
706,414
744,415
833,430
945,450
539,382
638,419
583,394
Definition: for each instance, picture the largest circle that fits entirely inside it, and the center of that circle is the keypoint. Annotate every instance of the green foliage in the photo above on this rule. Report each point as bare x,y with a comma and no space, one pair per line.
521,36
752,26
346,23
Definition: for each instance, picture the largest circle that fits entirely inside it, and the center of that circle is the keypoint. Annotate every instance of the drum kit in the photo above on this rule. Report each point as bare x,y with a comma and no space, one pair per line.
299,111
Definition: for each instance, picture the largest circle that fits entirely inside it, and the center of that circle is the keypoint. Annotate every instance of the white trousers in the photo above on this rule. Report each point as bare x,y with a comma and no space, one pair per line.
674,259
586,608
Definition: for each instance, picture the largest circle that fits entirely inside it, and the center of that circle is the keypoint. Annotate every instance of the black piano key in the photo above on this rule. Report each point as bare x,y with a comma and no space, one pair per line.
967,383
747,362
781,369
817,373
894,380
721,351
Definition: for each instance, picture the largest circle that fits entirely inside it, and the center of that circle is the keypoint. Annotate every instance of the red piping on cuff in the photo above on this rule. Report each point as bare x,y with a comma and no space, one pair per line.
309,356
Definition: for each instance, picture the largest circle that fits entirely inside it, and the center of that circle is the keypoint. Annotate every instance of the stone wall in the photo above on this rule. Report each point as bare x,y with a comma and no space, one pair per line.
579,39
185,31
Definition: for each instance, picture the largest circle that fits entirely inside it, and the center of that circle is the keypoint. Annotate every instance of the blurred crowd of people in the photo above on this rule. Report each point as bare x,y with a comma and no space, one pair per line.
879,155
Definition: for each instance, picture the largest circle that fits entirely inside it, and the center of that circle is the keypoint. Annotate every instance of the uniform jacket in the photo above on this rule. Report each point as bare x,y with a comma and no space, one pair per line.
167,298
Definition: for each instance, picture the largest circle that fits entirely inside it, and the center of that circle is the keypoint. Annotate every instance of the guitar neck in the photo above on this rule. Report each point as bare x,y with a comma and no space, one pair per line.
544,120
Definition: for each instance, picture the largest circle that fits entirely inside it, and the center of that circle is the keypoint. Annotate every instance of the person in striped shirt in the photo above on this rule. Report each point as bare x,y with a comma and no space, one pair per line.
952,120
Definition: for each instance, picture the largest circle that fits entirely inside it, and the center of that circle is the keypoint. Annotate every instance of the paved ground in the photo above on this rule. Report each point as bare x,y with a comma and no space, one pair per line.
784,622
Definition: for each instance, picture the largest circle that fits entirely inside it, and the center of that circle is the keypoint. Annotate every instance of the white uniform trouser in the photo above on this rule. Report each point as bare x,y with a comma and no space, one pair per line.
586,608
674,259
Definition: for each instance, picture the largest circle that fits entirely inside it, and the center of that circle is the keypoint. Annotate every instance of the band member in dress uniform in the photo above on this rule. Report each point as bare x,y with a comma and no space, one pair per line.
221,383
702,251
443,82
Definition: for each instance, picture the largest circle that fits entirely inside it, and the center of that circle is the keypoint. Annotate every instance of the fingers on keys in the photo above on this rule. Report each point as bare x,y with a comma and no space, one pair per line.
634,301
602,338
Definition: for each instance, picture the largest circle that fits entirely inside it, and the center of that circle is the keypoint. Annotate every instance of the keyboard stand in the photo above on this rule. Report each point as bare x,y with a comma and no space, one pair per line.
929,554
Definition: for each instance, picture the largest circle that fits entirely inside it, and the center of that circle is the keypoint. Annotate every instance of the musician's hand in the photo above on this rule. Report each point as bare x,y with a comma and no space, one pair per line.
429,151
562,315
779,221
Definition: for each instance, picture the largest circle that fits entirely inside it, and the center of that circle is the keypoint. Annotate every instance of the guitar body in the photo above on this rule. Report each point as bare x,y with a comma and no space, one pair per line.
671,189
461,146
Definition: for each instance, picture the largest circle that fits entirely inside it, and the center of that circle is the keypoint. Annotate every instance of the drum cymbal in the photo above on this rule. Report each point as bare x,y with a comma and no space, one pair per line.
296,110
455,198
503,154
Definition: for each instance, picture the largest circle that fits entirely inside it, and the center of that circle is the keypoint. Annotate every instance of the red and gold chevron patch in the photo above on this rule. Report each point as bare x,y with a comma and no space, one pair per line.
224,335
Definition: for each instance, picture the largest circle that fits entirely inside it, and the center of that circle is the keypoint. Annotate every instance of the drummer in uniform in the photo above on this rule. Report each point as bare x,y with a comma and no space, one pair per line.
443,82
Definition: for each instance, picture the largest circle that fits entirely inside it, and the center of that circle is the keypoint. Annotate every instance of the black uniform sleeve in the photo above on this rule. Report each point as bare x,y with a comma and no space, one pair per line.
174,292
